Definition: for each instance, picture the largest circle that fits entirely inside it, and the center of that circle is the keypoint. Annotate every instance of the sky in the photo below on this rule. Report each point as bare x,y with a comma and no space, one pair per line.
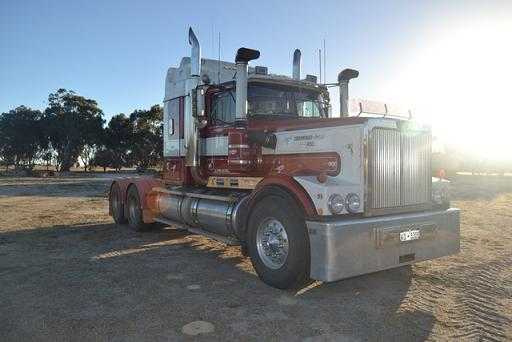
447,60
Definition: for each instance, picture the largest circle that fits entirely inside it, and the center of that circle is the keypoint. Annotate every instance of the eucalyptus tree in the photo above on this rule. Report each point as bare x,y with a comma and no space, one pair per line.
22,138
72,123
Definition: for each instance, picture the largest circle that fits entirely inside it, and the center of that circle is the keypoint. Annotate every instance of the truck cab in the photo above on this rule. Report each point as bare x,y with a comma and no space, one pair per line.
257,159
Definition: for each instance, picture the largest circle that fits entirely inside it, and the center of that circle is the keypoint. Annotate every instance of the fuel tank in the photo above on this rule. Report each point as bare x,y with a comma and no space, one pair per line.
218,214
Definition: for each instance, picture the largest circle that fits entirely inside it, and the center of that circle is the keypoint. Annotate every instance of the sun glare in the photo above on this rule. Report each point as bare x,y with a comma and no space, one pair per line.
459,81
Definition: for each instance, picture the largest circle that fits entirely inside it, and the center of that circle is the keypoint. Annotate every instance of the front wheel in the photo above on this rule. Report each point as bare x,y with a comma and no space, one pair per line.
277,241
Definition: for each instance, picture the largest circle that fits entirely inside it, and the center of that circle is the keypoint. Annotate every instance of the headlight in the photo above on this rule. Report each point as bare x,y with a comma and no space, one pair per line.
353,203
336,203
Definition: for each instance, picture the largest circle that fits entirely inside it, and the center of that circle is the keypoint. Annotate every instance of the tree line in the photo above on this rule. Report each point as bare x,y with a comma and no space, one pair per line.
72,130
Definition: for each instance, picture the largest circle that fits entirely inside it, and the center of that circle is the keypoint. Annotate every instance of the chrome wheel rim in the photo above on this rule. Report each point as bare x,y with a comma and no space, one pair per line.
272,243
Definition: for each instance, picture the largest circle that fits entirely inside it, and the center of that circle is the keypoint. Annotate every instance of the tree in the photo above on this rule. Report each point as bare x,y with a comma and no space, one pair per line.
47,157
94,142
146,143
72,122
118,138
21,137
103,158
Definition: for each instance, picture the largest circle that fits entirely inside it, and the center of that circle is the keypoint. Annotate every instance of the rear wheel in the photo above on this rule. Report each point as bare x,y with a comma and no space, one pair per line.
135,220
116,204
277,241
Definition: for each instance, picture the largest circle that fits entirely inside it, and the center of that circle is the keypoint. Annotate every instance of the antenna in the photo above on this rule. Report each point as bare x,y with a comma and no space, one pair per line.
320,64
218,66
213,40
325,65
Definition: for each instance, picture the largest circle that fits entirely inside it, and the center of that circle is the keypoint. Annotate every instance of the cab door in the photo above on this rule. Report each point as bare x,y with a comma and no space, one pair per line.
226,144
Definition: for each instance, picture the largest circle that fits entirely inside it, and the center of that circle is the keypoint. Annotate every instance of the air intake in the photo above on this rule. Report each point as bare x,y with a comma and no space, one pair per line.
296,64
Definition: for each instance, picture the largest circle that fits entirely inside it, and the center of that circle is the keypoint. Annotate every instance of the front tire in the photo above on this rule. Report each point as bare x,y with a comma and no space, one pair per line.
278,243
135,220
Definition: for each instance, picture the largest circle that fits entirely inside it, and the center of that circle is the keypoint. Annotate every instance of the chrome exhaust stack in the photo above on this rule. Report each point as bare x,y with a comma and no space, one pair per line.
243,56
343,79
296,64
195,53
190,133
193,109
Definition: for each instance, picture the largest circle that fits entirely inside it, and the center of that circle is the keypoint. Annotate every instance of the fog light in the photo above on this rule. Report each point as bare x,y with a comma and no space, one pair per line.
336,203
353,203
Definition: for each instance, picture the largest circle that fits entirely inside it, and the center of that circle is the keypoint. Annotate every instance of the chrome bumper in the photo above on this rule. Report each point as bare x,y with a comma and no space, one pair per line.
349,247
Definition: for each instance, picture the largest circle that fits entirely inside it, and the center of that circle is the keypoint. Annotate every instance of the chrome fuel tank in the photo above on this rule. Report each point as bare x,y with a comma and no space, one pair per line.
219,215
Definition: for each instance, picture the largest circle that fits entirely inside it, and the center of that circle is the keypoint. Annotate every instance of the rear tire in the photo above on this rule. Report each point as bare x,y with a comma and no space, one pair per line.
278,243
135,220
117,205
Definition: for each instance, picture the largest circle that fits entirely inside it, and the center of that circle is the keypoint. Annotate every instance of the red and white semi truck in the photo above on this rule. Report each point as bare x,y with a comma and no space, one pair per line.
255,159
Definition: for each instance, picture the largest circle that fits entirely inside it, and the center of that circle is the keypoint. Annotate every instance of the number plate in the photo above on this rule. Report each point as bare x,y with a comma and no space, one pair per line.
410,235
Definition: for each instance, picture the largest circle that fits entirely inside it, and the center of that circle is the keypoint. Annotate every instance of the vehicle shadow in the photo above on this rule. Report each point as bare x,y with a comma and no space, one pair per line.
104,282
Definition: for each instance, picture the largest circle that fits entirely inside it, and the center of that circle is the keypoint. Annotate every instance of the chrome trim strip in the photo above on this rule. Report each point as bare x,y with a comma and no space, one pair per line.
238,146
196,195
242,162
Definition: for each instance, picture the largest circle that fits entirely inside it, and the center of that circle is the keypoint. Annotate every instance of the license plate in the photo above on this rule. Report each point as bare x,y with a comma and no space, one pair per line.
409,235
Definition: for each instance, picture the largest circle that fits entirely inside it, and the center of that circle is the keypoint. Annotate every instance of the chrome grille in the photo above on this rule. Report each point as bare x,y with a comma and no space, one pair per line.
398,168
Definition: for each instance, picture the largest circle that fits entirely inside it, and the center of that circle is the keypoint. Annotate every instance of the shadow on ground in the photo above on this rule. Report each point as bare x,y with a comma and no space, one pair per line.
103,282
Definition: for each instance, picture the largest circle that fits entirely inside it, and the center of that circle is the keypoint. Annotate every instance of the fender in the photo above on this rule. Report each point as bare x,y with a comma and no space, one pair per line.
144,186
293,187
284,182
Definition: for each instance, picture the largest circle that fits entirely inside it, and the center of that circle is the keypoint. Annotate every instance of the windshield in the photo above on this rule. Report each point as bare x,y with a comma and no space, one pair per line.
273,100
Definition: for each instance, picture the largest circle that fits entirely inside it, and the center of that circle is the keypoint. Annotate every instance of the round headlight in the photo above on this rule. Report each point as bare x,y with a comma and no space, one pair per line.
353,203
336,203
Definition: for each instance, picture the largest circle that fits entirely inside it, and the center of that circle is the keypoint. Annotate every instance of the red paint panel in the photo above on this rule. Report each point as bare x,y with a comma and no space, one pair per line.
175,171
305,164
241,157
144,186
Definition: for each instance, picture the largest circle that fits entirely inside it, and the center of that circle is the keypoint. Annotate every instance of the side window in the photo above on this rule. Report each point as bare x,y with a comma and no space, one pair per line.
308,109
223,107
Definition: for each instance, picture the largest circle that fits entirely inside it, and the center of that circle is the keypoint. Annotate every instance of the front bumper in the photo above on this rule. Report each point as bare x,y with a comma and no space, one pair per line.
349,247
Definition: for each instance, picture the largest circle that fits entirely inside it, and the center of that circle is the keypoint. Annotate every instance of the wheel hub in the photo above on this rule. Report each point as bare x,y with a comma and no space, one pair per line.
272,243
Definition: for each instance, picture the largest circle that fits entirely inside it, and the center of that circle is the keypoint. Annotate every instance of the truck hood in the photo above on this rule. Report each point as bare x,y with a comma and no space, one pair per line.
280,125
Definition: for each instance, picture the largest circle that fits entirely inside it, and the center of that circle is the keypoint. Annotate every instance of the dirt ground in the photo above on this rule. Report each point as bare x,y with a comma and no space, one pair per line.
67,273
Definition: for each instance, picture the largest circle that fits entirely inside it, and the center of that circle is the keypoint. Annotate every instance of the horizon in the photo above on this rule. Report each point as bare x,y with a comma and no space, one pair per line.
447,61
